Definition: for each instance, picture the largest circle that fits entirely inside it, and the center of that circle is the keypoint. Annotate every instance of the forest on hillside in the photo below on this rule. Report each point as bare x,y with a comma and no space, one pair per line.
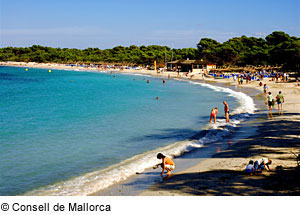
278,48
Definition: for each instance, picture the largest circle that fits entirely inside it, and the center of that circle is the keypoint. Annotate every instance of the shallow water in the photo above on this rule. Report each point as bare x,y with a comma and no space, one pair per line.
61,132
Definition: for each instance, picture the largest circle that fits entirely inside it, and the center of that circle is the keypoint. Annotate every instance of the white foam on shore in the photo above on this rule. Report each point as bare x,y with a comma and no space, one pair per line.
92,182
137,74
246,102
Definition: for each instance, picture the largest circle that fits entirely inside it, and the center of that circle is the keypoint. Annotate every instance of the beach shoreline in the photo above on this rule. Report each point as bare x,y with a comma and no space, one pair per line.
230,163
137,184
278,138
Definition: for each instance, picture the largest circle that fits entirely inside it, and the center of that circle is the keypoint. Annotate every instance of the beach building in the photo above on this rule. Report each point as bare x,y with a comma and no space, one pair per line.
197,66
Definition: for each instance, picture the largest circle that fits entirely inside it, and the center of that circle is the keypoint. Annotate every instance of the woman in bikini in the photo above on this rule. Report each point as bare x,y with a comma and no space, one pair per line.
213,114
166,164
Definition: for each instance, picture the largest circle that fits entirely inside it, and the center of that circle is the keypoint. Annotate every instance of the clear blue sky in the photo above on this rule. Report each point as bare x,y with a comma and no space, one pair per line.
109,23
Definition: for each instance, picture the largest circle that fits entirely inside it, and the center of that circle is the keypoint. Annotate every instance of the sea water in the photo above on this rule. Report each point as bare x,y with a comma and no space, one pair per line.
73,133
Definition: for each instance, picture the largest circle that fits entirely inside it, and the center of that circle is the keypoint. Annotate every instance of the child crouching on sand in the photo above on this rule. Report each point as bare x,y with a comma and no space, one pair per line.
258,166
166,164
250,168
262,164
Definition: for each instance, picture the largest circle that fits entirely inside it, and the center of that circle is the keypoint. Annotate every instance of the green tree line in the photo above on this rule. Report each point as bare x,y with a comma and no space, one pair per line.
278,48
134,55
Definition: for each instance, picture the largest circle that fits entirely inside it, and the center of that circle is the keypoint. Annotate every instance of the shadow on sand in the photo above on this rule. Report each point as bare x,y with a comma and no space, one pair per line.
276,138
228,183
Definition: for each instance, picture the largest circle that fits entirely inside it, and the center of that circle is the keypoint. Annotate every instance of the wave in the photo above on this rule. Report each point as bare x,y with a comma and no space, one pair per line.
97,180
137,74
246,102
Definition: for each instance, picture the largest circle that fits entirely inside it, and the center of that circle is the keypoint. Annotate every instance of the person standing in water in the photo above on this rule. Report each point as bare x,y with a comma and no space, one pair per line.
270,103
226,110
213,115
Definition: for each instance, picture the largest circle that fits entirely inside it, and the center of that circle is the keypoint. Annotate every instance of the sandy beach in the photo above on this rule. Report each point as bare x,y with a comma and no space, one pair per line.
278,138
223,174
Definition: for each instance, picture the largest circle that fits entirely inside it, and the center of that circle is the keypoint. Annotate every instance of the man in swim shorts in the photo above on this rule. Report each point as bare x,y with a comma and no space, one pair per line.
213,114
166,164
226,110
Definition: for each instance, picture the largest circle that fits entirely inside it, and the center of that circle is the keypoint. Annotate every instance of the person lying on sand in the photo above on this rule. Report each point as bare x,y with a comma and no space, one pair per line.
166,164
262,164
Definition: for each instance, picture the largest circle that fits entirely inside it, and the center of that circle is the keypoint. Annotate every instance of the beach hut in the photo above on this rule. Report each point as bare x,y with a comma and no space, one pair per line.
197,66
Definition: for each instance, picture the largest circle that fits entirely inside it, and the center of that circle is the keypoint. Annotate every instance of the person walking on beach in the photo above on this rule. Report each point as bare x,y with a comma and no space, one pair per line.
280,101
239,79
226,110
265,89
270,101
213,115
166,164
284,77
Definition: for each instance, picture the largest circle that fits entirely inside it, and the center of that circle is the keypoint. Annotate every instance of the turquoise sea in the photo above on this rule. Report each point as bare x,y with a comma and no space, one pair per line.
62,131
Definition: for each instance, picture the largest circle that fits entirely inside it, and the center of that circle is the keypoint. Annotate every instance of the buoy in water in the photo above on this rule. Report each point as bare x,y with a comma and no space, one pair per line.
49,70
26,69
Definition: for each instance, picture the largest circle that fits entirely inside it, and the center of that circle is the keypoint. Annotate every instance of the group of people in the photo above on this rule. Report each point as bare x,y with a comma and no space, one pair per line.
258,166
214,112
253,168
283,77
243,77
167,163
271,100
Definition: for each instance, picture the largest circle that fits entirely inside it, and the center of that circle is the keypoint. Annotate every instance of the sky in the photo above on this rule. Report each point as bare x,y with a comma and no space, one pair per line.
108,23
